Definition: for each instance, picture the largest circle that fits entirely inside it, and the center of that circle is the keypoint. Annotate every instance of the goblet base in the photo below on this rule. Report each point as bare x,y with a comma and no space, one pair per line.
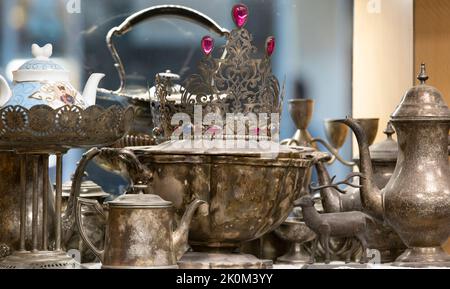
423,257
295,256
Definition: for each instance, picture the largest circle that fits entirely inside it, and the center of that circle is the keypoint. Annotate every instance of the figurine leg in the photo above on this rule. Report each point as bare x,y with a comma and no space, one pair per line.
348,255
312,259
325,241
363,242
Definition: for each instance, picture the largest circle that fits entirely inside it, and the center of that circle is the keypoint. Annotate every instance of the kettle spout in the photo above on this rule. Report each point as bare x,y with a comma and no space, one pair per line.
90,90
180,237
5,91
371,198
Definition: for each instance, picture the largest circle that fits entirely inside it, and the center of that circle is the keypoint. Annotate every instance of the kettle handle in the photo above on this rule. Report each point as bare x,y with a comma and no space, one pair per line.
152,12
79,221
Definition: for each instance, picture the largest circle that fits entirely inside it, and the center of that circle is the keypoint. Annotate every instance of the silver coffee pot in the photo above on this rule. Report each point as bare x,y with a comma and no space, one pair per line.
416,201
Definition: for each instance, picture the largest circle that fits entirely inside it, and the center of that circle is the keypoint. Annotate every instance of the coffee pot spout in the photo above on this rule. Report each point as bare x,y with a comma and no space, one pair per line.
180,236
371,197
5,91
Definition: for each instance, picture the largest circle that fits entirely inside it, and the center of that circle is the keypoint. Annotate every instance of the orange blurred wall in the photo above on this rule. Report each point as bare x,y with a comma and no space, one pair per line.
432,45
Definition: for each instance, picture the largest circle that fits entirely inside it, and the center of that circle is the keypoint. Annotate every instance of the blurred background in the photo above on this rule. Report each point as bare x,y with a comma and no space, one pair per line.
353,57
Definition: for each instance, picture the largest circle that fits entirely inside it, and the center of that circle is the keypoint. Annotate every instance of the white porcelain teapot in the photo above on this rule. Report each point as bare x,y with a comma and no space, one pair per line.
40,81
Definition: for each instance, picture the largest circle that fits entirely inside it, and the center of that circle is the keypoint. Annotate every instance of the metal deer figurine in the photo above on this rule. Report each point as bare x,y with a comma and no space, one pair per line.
342,225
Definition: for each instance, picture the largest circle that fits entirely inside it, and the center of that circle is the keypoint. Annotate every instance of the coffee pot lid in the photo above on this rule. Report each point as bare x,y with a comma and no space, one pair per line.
41,67
422,102
386,150
140,201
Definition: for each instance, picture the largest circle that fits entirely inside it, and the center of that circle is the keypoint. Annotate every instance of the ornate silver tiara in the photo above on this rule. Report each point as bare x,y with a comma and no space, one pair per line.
237,83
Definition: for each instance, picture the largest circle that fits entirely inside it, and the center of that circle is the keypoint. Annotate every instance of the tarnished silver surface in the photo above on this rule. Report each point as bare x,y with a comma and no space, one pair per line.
416,201
295,231
203,260
35,134
140,232
378,235
92,221
40,260
10,204
337,134
139,226
238,82
301,111
37,252
370,126
248,195
384,158
141,132
148,14
43,128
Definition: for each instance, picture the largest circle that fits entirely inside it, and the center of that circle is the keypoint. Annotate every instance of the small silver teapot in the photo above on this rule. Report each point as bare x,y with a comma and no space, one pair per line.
139,232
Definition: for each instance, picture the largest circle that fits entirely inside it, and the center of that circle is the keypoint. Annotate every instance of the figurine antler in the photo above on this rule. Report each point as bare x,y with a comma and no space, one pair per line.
346,181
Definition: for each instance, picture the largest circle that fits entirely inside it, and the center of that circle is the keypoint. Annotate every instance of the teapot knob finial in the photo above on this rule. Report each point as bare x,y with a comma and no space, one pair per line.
42,52
422,77
389,131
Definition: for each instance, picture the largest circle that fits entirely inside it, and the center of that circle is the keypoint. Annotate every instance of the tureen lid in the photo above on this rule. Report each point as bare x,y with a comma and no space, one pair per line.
88,189
141,201
41,68
262,149
422,102
386,150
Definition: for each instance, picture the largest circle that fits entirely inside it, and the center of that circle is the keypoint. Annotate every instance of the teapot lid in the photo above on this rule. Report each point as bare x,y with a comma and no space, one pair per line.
41,68
174,91
386,150
422,102
140,201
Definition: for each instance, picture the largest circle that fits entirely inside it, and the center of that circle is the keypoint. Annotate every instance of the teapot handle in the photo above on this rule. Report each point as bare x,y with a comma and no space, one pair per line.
152,12
79,221
5,91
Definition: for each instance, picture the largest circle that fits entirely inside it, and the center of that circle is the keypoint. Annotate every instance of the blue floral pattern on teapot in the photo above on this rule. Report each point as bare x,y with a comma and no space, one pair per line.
40,81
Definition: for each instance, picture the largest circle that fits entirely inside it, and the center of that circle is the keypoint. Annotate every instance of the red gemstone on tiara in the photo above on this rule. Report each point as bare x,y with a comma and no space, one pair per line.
207,45
270,45
240,15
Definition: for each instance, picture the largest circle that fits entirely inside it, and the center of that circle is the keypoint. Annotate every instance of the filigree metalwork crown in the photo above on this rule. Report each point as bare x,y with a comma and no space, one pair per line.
238,82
